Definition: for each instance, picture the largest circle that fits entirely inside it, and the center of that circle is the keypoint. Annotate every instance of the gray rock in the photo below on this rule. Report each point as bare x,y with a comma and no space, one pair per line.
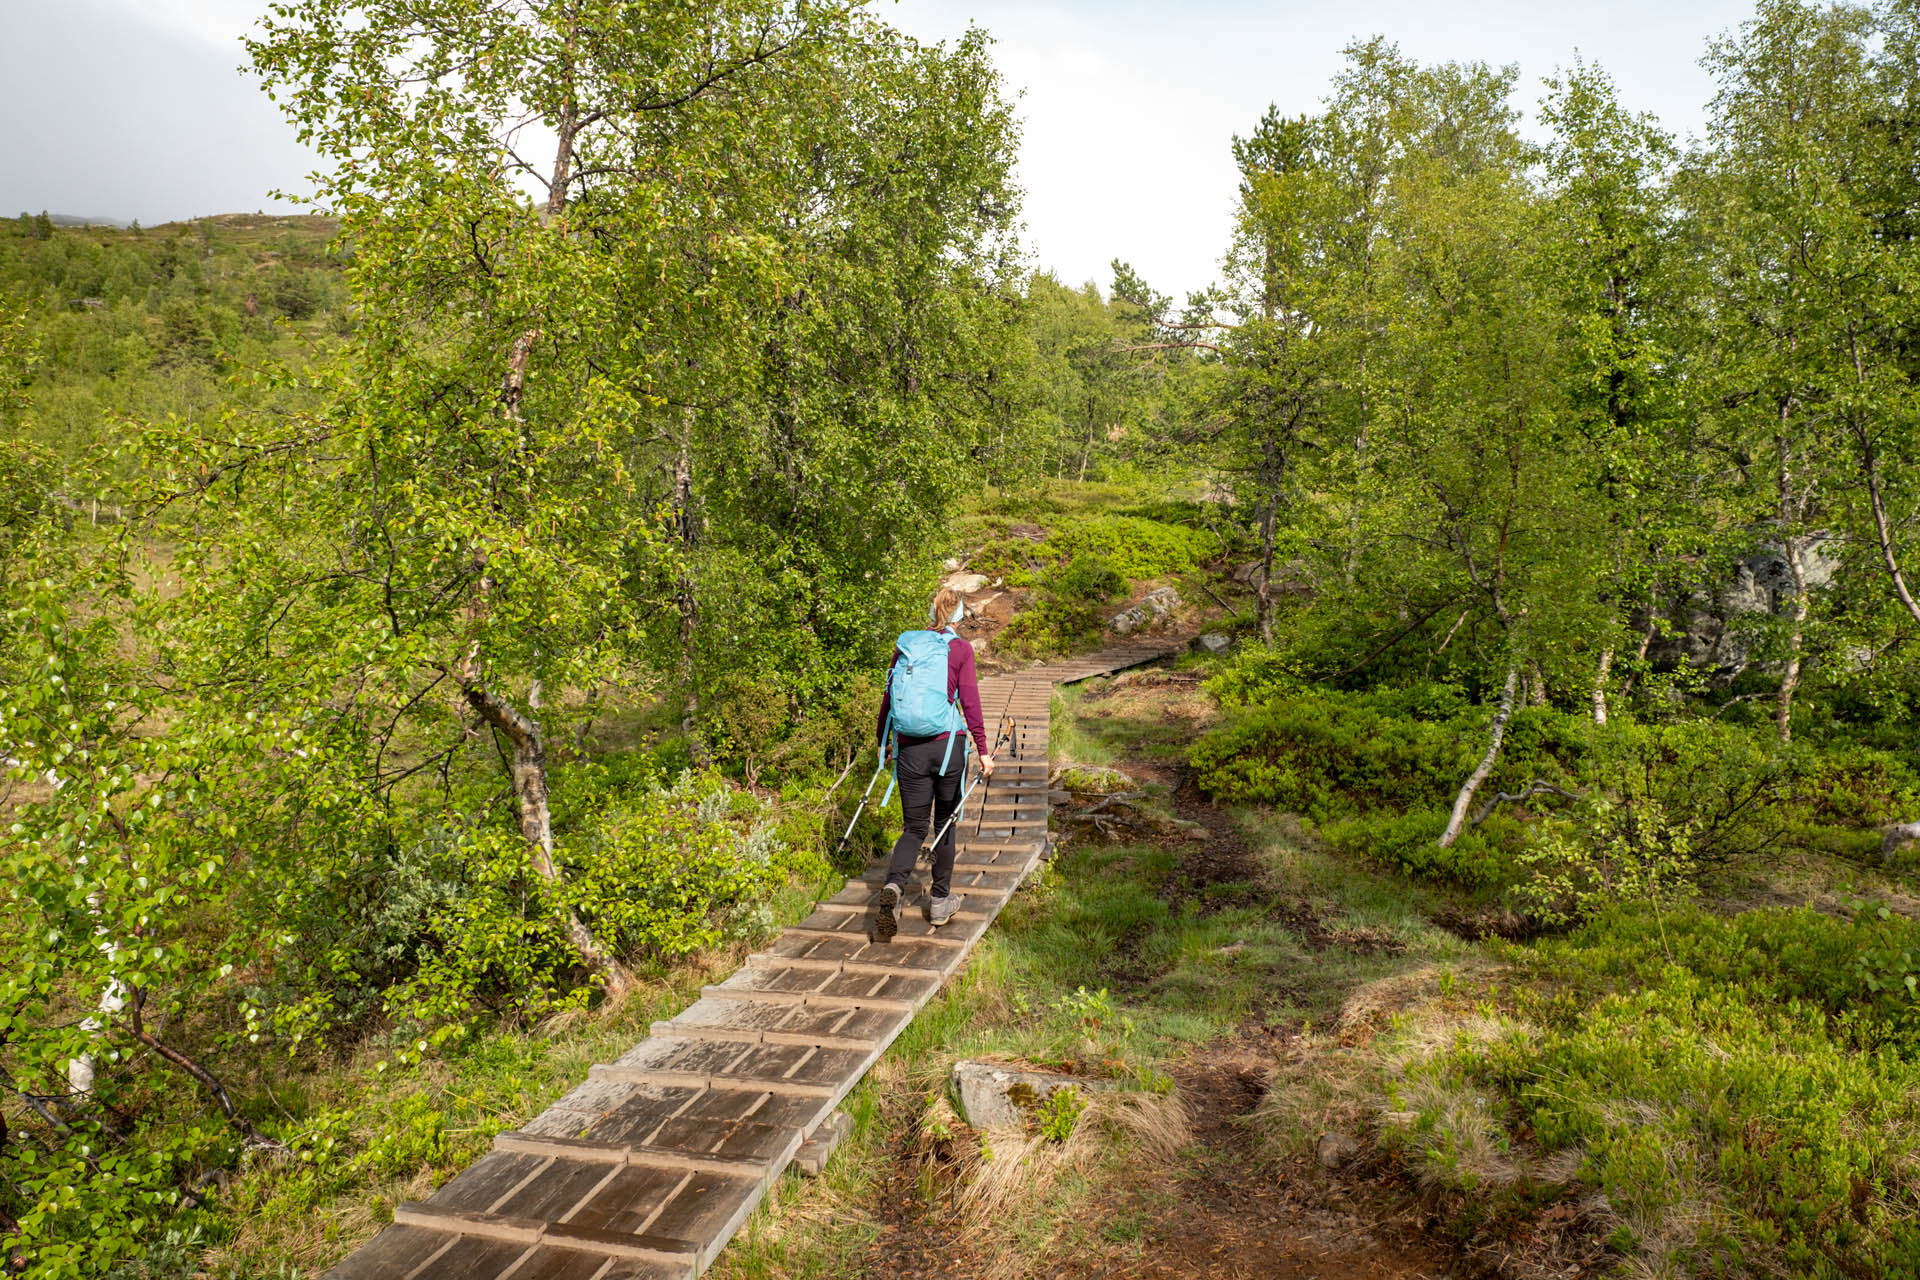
952,564
1896,836
1714,629
966,583
1214,642
1335,1150
1247,572
994,1096
1153,606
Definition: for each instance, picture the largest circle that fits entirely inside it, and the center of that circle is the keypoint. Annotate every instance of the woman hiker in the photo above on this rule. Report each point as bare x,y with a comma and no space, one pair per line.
928,708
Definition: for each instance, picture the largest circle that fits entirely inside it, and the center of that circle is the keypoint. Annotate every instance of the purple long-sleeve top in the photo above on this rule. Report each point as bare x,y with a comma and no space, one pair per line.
962,680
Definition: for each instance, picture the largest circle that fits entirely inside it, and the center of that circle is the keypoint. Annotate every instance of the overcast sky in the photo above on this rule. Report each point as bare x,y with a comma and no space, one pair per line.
136,108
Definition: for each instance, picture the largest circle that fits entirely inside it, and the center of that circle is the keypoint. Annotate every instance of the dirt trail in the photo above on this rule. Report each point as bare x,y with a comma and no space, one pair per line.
1231,1217
1231,1214
1223,1210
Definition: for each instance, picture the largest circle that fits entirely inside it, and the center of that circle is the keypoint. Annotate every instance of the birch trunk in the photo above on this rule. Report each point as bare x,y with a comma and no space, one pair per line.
1882,533
1790,678
1790,544
1263,589
1640,654
686,599
1600,686
80,1070
528,771
1481,771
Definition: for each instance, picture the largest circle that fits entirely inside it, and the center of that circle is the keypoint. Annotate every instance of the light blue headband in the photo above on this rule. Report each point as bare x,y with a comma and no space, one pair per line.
953,619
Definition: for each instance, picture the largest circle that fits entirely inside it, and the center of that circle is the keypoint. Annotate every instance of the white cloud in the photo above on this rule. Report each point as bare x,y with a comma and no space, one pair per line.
1130,107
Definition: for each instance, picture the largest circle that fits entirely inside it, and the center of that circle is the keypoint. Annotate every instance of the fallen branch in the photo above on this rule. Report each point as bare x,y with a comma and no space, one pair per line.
256,1140
1736,701
1534,789
851,761
1397,637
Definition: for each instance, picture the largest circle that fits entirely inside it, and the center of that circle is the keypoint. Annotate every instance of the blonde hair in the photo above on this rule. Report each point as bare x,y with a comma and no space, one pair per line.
945,601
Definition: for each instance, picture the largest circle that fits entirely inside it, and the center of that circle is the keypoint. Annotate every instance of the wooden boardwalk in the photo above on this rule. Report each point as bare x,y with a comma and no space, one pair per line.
648,1167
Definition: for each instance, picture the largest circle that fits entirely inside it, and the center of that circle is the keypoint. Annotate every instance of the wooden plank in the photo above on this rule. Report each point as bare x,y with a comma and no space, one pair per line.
644,1171
707,1211
468,1222
394,1254
767,1084
489,1182
628,1204
475,1258
553,1192
545,1262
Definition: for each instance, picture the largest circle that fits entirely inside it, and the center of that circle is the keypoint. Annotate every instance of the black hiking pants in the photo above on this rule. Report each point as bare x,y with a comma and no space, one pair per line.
928,798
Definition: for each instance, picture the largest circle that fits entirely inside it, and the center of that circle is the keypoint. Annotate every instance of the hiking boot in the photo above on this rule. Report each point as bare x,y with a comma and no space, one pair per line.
941,910
887,922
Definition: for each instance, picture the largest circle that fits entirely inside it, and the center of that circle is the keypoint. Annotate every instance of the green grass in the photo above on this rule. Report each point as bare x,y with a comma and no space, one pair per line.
414,1128
1107,964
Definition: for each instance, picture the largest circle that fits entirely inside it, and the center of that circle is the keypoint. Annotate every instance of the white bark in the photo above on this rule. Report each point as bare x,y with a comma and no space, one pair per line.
528,770
1481,771
80,1074
1790,678
1600,686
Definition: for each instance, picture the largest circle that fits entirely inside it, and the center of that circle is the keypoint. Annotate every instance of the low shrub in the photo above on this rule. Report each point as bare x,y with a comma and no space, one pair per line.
1732,1134
655,872
1481,858
1854,970
1255,676
1332,755
663,871
1066,612
1854,786
1608,853
1135,547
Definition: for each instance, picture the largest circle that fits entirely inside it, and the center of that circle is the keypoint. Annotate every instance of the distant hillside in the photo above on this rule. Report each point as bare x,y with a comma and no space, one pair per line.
145,323
81,220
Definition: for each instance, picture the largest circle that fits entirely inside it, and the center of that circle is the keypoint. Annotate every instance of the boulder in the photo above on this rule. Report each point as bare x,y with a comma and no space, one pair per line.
952,564
1153,606
1335,1150
1708,627
1214,642
966,583
995,1096
1896,836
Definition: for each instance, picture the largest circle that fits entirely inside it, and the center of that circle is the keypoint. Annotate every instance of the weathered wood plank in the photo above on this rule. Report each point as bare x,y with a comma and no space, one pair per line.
646,1169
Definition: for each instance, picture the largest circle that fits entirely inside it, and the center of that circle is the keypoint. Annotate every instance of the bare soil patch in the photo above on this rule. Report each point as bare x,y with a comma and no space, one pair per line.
1227,1214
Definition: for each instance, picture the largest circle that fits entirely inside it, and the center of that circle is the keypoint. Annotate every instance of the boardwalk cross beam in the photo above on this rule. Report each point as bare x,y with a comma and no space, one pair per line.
650,1165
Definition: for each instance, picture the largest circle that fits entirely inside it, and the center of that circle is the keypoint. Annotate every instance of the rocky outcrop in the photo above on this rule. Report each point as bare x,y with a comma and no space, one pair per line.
1153,607
993,1096
1715,632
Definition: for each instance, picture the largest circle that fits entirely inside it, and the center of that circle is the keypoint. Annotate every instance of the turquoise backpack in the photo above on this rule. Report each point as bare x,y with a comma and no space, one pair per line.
917,693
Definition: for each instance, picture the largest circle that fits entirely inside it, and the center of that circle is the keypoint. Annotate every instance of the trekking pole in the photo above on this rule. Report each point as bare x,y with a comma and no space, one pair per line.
847,835
958,812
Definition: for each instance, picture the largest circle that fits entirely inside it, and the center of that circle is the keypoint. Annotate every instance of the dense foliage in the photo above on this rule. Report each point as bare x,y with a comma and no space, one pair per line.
445,560
417,620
